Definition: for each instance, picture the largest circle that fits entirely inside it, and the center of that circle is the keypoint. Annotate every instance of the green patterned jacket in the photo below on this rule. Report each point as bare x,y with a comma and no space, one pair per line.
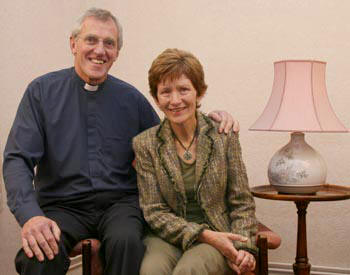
223,191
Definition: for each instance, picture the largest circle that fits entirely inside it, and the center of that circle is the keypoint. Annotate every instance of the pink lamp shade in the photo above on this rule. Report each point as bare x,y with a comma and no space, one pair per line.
299,101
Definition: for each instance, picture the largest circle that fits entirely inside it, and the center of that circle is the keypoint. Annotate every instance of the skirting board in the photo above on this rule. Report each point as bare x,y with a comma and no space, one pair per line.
75,262
283,269
274,268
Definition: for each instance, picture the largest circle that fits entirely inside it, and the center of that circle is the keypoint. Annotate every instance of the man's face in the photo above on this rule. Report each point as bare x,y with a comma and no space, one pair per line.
95,49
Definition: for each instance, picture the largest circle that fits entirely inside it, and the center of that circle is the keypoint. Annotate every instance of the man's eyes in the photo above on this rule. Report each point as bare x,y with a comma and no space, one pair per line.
93,40
109,43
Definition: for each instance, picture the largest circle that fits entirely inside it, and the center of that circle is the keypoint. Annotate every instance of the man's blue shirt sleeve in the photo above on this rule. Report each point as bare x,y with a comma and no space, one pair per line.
148,116
24,148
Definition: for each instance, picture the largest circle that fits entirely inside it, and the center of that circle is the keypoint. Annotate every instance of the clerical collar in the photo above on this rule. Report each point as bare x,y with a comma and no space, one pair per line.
90,88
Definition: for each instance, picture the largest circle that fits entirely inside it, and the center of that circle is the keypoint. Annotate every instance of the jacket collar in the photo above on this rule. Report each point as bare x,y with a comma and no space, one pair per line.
168,155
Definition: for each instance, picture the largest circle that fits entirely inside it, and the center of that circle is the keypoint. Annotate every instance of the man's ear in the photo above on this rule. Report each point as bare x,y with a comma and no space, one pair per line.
116,56
73,45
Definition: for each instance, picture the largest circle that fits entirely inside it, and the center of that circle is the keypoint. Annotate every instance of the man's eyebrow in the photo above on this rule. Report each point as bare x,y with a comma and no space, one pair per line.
110,38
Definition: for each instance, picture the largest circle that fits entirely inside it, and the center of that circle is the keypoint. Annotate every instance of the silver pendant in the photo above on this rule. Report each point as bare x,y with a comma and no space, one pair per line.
187,155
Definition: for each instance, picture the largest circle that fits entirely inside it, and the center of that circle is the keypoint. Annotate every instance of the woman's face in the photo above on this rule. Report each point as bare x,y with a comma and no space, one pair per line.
178,100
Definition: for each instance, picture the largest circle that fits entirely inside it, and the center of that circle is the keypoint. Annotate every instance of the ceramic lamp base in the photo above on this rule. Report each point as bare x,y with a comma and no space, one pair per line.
297,168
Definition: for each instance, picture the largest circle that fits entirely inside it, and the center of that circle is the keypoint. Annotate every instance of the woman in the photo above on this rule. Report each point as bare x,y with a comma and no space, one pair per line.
192,181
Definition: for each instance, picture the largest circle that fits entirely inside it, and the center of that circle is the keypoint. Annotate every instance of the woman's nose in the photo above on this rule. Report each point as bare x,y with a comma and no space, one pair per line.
175,98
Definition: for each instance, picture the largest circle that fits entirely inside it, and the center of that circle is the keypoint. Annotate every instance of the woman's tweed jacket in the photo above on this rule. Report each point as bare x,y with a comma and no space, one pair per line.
223,191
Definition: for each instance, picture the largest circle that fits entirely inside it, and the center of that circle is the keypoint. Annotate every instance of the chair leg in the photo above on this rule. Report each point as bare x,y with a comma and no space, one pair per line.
86,255
263,258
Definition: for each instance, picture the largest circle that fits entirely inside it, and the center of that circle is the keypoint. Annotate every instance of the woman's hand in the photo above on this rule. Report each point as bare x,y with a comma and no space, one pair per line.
222,241
244,262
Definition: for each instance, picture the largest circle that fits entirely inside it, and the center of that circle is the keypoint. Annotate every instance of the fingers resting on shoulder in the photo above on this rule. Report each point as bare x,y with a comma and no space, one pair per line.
227,122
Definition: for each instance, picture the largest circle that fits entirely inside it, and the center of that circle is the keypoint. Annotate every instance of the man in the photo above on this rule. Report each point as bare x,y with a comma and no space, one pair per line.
75,126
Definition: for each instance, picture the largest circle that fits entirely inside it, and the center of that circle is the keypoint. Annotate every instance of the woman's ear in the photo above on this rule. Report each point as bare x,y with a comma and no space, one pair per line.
156,100
198,100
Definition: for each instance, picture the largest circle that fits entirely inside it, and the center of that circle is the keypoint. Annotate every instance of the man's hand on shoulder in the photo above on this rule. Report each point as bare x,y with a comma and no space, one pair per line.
40,235
227,122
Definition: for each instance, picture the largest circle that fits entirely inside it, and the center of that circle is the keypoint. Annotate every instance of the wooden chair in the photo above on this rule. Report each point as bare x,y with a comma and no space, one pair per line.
89,248
266,239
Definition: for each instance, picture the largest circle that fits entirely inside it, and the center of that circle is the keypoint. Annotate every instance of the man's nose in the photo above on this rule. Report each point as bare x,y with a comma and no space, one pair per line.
99,48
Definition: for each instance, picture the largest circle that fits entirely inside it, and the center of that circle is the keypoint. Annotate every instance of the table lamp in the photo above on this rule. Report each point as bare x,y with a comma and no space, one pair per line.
298,104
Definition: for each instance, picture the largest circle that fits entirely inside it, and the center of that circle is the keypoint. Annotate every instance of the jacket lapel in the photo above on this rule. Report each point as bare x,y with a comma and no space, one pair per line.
204,148
169,160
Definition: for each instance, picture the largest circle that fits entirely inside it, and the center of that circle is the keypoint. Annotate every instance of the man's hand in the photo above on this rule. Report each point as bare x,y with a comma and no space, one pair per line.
227,122
40,235
222,241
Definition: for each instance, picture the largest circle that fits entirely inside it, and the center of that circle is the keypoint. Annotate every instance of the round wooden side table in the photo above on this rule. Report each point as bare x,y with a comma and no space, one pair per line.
328,192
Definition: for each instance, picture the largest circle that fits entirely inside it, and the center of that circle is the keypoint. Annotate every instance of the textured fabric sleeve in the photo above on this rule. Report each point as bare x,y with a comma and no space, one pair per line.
240,199
160,217
24,148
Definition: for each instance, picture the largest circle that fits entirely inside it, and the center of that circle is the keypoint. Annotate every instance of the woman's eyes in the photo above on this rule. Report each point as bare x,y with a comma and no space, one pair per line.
181,90
184,90
165,92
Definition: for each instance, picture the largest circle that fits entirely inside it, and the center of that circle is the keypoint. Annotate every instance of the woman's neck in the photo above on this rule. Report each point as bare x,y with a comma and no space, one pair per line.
185,131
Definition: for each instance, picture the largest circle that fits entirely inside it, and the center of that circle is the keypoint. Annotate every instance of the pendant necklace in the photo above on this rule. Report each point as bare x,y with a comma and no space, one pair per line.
187,155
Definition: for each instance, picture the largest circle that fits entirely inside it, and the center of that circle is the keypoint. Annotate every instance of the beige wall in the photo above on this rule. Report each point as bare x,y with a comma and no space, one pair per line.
237,42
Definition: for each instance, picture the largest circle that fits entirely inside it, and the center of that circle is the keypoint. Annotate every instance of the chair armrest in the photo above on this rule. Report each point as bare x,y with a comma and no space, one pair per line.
273,239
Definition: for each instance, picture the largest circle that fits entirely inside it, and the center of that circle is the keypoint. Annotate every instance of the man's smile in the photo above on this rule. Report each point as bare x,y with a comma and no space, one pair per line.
97,61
